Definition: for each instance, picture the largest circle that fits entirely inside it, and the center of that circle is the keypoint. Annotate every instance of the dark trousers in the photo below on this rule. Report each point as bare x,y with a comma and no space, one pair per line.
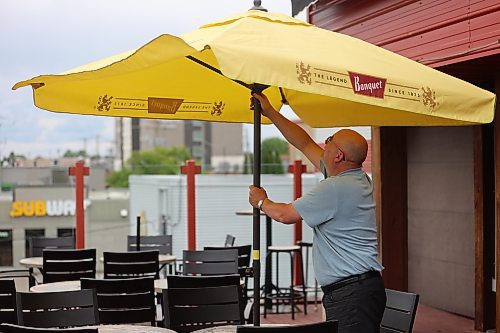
358,306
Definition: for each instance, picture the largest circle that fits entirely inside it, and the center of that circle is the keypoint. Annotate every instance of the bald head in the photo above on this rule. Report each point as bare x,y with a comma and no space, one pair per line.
352,144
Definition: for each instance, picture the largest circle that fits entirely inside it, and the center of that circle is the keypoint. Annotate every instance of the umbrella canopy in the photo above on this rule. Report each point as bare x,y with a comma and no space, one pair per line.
327,78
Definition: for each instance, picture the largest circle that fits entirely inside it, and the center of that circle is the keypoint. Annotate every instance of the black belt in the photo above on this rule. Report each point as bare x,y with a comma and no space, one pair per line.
348,280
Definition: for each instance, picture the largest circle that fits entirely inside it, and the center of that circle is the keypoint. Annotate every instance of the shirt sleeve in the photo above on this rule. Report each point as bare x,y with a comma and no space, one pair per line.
318,205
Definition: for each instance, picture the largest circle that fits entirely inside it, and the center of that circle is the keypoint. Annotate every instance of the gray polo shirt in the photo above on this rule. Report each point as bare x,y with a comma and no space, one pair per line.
341,211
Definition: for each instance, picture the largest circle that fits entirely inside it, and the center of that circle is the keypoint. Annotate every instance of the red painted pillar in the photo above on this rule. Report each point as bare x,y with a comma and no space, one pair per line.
79,171
190,169
297,168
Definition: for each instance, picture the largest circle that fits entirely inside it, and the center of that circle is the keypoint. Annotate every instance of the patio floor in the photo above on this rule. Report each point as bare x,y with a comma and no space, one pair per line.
428,320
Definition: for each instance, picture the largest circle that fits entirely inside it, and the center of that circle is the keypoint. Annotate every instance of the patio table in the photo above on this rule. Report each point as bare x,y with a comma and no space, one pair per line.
75,285
131,329
37,262
229,328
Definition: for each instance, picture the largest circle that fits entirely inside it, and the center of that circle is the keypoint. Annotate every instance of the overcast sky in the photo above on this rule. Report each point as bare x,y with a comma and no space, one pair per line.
51,36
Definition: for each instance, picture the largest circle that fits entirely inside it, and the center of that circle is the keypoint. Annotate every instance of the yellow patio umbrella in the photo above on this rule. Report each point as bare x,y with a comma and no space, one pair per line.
327,78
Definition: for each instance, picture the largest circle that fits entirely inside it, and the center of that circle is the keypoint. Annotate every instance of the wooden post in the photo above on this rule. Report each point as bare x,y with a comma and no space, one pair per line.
79,171
190,169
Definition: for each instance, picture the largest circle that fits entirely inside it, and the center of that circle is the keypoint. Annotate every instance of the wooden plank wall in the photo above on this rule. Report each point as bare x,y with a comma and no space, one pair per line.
433,32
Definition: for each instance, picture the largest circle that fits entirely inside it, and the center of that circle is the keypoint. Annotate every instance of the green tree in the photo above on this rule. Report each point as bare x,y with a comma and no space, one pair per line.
272,151
70,153
159,161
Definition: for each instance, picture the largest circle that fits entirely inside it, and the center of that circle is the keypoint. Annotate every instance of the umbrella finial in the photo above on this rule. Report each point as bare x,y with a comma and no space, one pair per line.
257,6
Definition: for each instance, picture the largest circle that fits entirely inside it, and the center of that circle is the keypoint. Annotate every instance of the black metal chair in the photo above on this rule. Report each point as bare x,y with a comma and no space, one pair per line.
9,328
229,240
244,253
210,262
124,301
320,327
8,301
195,302
68,265
400,311
38,244
123,265
162,243
57,309
18,274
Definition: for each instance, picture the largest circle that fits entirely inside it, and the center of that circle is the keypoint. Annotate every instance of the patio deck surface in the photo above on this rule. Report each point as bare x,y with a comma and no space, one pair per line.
428,320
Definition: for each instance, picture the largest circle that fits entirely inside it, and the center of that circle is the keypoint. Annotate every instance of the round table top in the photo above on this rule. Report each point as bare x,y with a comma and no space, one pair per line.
218,329
248,212
283,248
37,262
229,328
131,329
32,262
75,285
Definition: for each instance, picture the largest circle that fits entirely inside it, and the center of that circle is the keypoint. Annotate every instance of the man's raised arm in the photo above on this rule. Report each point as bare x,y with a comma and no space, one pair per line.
292,132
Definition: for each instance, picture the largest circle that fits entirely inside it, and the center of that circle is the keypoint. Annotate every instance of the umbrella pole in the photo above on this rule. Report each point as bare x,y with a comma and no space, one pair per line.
256,214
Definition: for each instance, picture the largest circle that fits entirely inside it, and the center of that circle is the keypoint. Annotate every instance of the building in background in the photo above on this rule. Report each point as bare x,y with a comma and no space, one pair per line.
41,202
218,146
437,188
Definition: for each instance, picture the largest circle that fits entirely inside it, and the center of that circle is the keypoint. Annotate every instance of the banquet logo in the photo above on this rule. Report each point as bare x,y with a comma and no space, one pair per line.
303,73
367,85
164,105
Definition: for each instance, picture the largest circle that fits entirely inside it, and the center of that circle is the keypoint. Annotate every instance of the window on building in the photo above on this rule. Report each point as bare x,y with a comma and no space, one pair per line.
197,135
66,232
197,151
28,233
6,248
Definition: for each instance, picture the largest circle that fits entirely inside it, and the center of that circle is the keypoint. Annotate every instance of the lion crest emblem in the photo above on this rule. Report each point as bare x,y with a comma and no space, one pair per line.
217,108
104,103
303,73
429,98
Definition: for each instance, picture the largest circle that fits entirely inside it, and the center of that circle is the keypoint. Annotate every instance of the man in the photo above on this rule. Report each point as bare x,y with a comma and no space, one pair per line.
341,211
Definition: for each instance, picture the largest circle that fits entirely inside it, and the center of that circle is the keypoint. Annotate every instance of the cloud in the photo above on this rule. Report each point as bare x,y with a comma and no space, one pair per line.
51,36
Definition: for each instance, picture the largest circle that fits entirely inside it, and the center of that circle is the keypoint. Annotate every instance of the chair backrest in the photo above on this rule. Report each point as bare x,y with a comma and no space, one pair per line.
68,265
195,302
38,244
162,243
229,240
400,311
210,262
8,301
123,265
18,274
57,309
124,301
319,327
244,253
9,328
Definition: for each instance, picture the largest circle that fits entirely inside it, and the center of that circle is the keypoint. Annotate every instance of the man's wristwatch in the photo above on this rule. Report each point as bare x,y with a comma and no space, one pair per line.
259,204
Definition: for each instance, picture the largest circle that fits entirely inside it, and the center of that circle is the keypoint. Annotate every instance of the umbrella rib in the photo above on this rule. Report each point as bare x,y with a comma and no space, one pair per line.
212,68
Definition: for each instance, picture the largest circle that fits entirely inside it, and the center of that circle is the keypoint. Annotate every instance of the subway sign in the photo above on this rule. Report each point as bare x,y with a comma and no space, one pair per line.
45,208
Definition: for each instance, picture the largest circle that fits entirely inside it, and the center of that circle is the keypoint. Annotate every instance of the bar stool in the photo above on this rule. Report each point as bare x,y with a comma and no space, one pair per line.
309,288
285,294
